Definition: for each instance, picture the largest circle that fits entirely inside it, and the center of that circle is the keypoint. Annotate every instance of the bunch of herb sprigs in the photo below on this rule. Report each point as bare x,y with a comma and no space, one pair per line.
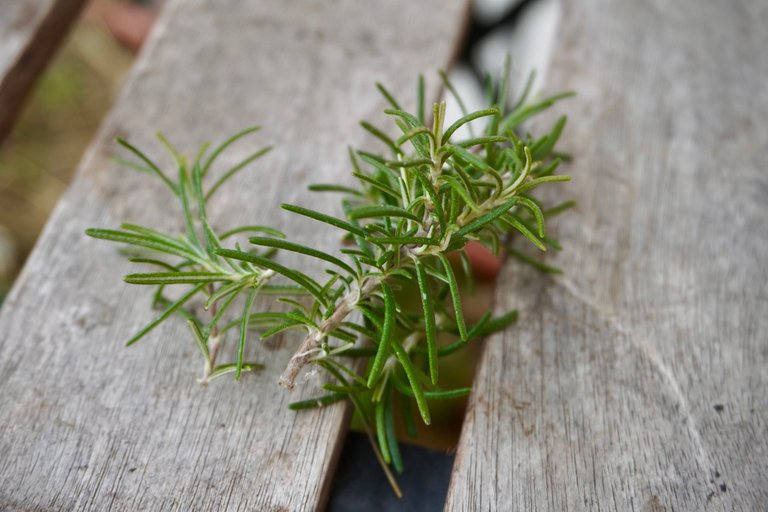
427,197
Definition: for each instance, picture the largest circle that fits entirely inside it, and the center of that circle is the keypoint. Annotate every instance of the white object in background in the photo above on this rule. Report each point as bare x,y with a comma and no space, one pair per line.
489,11
471,93
528,41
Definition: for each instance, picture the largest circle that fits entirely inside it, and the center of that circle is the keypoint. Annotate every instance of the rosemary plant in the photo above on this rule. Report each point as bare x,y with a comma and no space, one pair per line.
425,197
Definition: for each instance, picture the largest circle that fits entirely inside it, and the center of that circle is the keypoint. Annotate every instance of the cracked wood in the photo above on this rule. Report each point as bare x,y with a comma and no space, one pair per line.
638,380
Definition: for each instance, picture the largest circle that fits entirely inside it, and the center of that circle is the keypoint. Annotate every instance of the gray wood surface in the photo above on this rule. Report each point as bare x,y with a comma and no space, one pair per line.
30,33
639,380
86,424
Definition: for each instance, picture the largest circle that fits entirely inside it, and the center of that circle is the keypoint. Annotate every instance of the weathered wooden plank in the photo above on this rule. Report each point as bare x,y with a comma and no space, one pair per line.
30,33
89,425
638,381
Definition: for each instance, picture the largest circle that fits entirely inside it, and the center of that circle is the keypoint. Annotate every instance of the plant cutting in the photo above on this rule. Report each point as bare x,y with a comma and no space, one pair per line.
423,198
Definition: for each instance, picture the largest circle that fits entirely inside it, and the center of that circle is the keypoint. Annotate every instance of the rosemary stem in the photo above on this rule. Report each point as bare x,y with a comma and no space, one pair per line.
210,364
214,342
311,344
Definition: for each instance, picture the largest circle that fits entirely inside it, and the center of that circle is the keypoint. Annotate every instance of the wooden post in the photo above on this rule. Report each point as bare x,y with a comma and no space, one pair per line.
638,380
30,33
90,425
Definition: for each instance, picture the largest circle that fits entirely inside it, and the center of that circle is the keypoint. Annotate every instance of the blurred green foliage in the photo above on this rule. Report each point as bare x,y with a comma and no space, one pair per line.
60,118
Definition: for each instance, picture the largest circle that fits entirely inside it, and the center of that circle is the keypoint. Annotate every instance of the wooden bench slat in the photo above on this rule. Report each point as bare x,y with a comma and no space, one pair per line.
30,33
87,424
637,381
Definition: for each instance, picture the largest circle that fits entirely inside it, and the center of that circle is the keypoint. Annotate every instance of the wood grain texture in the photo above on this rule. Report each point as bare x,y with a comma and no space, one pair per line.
638,380
87,424
30,33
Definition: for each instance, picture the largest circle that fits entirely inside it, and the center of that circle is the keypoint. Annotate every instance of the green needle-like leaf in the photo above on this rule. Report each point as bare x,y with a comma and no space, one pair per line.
526,89
391,99
421,130
380,135
406,164
419,99
466,119
253,229
489,325
333,221
432,395
154,262
391,435
549,141
538,181
412,120
290,246
158,236
314,403
381,432
402,240
367,212
183,193
223,291
537,213
449,85
460,189
382,187
220,310
382,352
491,139
408,420
165,314
557,210
216,152
176,278
413,378
430,330
141,241
538,265
481,221
455,296
234,170
224,369
150,164
515,223
294,275
526,111
200,340
335,188
244,330
470,158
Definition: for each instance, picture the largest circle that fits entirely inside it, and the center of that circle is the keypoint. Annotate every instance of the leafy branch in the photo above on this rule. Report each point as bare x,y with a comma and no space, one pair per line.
427,196
191,258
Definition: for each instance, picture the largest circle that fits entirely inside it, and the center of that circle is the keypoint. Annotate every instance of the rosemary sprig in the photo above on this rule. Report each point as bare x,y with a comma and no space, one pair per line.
191,258
426,196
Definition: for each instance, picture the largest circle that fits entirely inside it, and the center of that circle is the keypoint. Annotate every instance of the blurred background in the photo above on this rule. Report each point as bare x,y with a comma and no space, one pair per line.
60,117
66,107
